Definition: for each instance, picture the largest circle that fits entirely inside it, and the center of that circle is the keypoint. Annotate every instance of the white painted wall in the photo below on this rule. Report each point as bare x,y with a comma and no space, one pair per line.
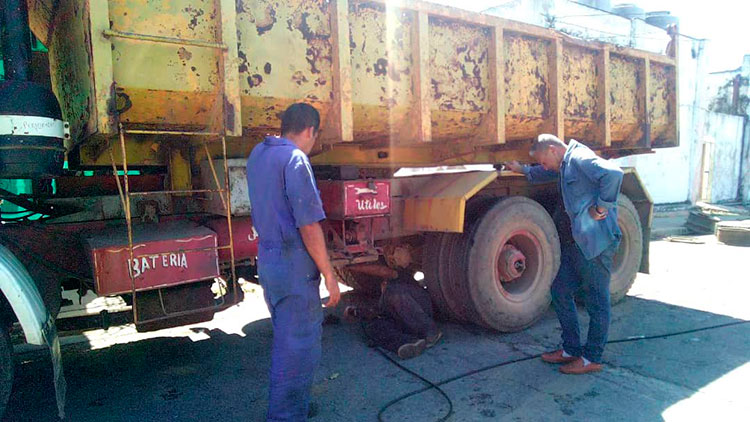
725,132
667,173
745,164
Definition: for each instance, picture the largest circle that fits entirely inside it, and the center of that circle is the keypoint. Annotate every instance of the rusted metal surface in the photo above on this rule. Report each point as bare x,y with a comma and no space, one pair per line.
382,62
459,77
526,86
496,88
163,257
352,199
662,103
339,126
71,68
244,237
626,101
581,93
511,263
285,56
383,75
377,270
154,77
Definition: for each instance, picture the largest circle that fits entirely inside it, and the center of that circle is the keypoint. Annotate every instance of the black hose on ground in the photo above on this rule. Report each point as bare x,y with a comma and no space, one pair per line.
436,385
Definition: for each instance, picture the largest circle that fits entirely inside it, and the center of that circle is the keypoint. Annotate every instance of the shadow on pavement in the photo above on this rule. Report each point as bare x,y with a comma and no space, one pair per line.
225,376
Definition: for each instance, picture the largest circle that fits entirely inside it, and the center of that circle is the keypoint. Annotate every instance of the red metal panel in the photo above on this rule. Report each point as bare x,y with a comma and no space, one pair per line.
165,255
244,234
353,199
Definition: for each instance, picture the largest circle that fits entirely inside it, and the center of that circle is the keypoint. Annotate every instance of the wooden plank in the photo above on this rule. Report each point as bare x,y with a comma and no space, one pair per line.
556,124
604,136
229,68
341,117
496,117
421,77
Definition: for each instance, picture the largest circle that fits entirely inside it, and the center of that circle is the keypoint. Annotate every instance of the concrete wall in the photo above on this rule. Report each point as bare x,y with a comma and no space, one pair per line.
724,132
668,172
745,165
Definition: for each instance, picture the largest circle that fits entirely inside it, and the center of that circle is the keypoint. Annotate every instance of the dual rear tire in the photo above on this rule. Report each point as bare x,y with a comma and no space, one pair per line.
499,271
464,272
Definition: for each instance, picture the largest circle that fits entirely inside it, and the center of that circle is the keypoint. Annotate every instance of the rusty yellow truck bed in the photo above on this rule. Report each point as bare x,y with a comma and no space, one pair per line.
398,83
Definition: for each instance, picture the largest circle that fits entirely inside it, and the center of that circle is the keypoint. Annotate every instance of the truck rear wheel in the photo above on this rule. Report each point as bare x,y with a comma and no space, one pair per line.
431,267
514,255
6,367
627,259
451,267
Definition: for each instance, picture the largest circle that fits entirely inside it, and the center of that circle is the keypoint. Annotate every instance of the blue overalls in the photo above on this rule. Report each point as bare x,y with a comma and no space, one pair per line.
284,197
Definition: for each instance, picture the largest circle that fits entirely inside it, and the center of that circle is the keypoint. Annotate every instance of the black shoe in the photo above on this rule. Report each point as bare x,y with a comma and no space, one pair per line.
432,340
312,410
411,350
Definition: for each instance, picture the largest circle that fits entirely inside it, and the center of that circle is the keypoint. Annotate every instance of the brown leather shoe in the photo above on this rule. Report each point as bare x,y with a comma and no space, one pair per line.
577,367
557,357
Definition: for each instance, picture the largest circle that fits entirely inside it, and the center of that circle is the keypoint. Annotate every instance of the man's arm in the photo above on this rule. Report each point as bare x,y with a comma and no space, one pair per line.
535,173
307,210
312,236
609,178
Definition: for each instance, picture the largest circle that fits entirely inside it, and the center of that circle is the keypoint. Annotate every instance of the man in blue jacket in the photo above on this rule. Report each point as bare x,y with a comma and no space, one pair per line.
286,212
589,237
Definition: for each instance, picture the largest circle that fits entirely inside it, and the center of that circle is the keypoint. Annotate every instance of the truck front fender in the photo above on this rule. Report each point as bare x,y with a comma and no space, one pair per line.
24,298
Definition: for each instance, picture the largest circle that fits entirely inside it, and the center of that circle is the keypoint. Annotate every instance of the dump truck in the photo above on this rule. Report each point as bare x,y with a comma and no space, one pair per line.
132,162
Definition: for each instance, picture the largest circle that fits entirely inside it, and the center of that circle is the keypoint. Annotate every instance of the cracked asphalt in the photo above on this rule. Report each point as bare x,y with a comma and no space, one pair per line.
217,370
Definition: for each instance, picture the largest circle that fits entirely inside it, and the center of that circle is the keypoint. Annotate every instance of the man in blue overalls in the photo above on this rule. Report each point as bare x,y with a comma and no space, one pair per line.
589,237
286,212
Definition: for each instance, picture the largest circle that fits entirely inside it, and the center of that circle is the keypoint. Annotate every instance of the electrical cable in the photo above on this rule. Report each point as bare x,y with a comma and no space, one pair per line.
421,378
436,385
410,372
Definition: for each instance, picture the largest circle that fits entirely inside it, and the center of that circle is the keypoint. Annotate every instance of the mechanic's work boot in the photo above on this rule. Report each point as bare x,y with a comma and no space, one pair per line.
411,350
557,357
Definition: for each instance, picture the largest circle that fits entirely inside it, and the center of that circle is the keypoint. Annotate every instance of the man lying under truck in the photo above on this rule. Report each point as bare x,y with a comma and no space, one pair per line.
403,321
589,236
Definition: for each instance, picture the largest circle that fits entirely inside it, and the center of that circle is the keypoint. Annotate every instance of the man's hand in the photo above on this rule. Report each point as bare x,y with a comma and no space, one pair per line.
514,166
334,294
312,236
597,213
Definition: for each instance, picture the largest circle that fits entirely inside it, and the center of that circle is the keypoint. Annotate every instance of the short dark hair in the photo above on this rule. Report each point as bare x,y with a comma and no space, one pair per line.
544,142
298,117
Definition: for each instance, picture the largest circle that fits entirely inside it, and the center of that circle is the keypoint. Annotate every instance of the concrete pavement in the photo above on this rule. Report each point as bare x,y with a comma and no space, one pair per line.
218,370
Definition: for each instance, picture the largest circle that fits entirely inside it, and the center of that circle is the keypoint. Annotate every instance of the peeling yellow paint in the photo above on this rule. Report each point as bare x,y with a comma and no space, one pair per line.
414,80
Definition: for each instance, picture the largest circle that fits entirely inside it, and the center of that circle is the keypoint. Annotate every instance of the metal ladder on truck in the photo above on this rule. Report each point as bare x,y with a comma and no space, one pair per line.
211,134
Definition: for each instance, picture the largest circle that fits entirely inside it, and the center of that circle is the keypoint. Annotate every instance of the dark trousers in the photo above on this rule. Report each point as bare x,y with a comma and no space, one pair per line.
295,353
593,277
406,316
